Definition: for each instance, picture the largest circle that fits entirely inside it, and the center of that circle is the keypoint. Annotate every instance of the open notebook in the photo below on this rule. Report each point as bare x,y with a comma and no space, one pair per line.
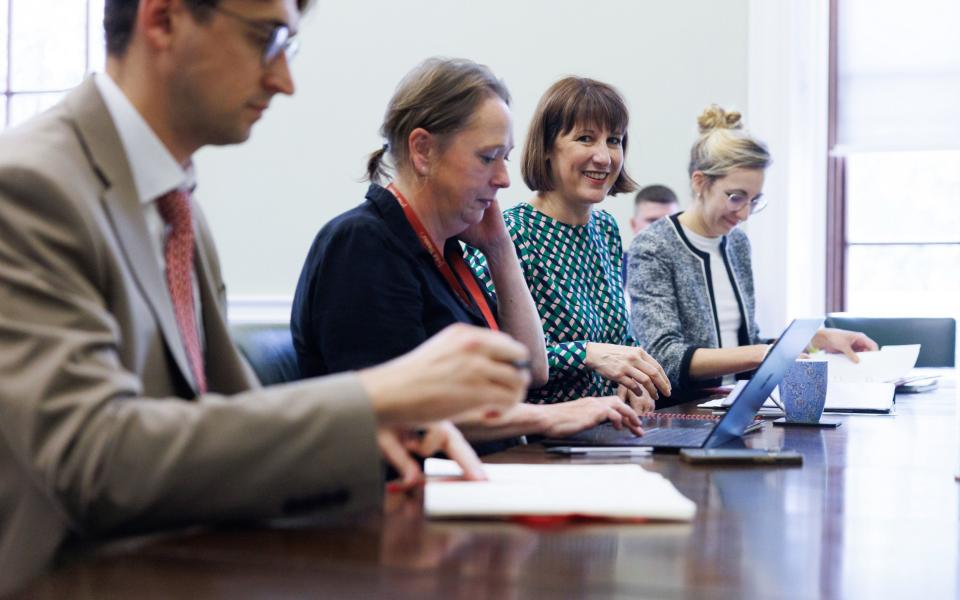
622,492
870,385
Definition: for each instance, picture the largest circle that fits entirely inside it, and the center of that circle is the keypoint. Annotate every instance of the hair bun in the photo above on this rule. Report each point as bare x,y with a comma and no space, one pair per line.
715,117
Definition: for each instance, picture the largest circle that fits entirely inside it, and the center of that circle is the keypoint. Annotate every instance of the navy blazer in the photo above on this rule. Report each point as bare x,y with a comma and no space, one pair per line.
369,291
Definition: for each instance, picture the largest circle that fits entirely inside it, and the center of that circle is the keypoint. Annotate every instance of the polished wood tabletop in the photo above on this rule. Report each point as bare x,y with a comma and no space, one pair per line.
872,513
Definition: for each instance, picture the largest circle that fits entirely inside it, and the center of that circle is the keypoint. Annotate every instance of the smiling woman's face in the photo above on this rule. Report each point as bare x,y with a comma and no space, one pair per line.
585,162
726,201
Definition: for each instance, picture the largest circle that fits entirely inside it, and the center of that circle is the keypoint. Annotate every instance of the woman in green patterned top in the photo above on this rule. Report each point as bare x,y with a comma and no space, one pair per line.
571,254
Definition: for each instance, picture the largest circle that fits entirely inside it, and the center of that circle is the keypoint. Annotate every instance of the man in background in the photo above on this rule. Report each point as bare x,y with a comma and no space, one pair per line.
651,203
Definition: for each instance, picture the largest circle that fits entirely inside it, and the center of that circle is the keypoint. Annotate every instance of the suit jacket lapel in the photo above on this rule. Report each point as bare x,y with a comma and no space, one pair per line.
99,135
227,374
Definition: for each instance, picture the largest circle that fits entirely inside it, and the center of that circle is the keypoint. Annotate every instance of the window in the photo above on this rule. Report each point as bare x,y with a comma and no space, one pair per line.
903,232
894,245
46,48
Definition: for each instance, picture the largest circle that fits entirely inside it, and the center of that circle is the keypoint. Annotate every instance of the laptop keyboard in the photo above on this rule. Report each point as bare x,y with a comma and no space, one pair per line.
691,435
677,437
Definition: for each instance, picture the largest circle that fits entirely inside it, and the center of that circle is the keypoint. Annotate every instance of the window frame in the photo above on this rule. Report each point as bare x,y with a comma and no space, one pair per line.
836,284
838,243
9,92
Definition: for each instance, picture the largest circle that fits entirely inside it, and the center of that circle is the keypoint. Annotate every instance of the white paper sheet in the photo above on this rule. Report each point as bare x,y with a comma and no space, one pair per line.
873,396
854,387
622,491
889,364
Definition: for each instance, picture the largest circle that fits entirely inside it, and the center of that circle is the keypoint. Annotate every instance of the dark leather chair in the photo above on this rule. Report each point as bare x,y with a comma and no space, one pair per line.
268,347
937,336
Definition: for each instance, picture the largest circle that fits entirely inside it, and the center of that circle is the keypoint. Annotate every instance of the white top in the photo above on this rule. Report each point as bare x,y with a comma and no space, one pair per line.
155,171
728,311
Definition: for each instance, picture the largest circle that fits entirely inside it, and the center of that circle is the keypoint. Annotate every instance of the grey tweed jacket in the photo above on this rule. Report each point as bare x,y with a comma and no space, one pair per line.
673,306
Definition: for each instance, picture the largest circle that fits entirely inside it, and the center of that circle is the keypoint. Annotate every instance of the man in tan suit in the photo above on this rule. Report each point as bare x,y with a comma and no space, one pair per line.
123,403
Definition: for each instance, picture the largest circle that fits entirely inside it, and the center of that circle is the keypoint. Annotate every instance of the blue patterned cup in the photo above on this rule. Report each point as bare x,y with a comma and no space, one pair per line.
803,391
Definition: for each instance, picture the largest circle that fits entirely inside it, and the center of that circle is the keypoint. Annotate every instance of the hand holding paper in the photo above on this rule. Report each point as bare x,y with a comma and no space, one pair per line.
887,365
841,341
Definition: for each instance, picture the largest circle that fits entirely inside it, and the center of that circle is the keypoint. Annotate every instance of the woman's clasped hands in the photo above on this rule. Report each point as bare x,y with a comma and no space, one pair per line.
641,379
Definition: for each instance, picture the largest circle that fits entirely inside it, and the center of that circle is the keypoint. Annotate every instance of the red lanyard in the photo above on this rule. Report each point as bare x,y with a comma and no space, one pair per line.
453,257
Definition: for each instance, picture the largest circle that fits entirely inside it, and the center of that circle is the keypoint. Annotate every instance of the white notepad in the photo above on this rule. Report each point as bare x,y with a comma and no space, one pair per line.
870,385
622,491
853,397
889,364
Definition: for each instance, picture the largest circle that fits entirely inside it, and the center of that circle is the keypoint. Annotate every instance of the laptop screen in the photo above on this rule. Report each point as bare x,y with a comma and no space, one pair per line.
784,352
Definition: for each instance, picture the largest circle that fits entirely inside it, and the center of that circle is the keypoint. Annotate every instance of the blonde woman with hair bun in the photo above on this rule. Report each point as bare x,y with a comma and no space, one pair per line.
690,277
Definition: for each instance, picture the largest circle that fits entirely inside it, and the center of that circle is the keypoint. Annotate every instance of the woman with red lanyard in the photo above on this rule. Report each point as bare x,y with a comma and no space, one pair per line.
383,277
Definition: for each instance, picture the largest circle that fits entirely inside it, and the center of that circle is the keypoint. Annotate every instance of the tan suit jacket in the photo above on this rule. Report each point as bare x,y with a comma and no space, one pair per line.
100,429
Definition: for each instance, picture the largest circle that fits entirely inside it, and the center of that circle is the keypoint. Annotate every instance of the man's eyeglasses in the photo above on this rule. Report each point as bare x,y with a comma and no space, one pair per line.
274,37
737,201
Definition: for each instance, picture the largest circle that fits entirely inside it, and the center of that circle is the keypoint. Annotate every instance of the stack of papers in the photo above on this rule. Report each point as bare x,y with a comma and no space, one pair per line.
621,492
868,386
889,365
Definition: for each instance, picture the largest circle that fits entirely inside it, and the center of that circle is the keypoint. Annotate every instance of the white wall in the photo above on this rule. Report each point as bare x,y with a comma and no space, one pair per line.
266,199
787,108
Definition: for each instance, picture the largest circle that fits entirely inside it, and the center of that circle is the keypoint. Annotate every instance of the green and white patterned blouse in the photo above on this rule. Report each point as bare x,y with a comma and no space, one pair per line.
574,275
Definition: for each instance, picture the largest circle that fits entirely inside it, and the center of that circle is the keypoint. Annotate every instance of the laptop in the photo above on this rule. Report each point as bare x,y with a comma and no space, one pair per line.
665,432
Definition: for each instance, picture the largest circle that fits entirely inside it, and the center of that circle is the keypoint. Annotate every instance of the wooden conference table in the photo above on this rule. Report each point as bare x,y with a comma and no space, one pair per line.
872,513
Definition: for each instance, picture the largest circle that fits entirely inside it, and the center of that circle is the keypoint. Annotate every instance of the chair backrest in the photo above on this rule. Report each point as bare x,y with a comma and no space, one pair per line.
268,347
937,336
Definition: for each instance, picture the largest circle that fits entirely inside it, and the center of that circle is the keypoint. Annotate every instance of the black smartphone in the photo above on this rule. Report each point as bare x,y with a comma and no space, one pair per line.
741,456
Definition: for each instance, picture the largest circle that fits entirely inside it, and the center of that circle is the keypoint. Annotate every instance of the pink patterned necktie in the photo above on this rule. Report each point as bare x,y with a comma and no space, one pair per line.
178,254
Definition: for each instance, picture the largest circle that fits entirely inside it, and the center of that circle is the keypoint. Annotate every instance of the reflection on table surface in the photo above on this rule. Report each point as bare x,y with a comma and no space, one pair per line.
873,512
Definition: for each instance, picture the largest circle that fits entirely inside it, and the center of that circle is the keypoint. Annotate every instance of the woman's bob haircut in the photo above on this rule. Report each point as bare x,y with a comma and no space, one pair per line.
572,102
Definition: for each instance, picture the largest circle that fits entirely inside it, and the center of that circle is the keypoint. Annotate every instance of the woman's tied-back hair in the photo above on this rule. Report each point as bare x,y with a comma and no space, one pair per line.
570,102
440,95
724,145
